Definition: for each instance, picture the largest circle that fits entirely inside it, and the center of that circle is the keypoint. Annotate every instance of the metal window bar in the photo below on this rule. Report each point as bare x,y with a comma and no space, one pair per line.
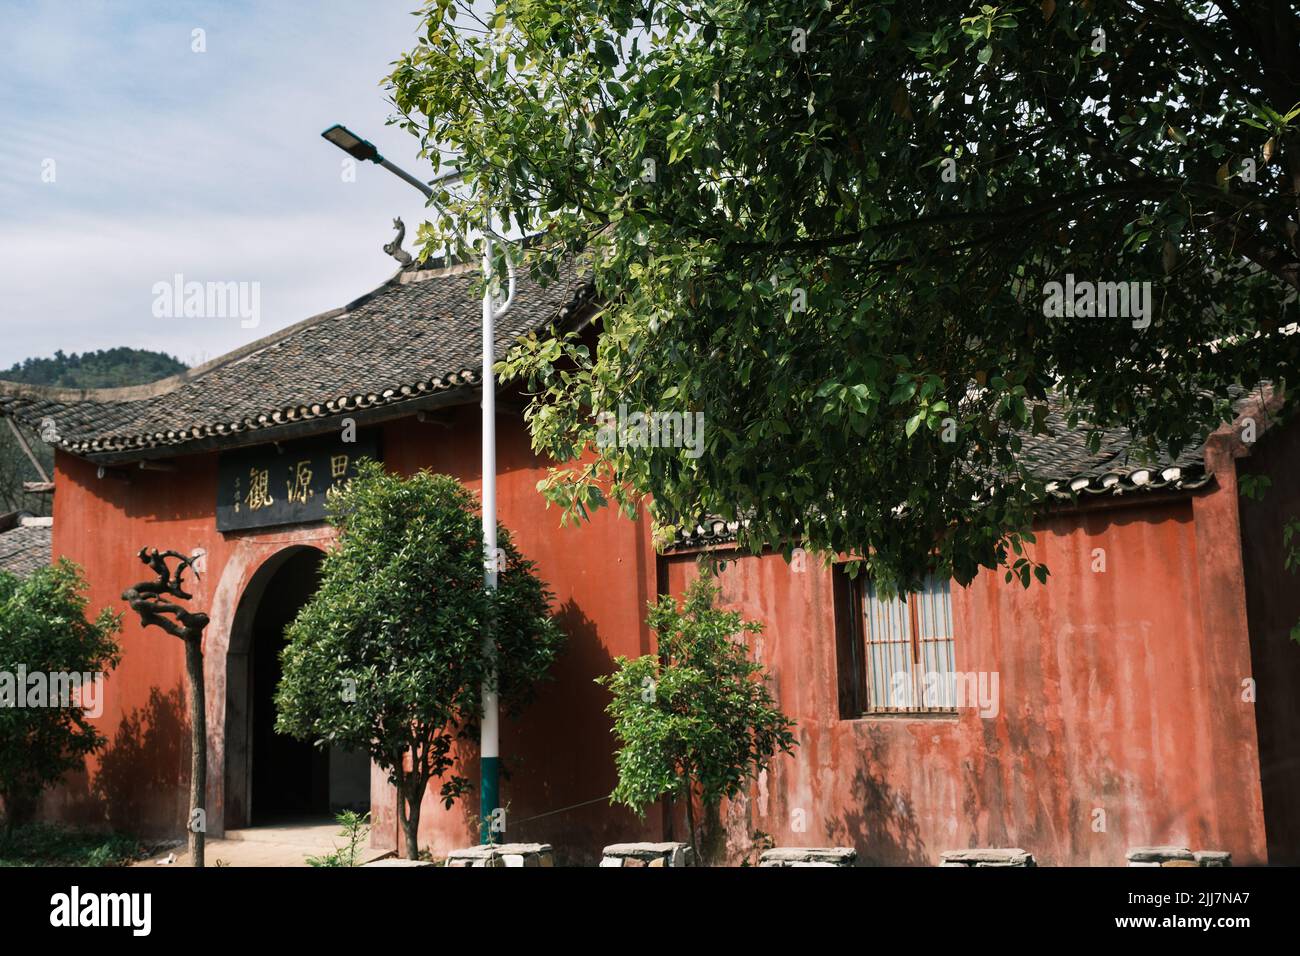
910,651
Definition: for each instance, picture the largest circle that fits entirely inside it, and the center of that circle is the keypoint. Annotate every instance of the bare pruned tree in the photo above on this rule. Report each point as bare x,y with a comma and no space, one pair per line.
149,600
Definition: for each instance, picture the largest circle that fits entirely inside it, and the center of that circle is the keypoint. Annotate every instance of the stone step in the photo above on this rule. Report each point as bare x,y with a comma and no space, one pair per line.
809,856
503,854
987,856
1176,856
648,854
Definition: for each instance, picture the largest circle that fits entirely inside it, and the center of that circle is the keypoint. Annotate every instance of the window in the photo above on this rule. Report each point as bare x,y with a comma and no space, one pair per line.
895,655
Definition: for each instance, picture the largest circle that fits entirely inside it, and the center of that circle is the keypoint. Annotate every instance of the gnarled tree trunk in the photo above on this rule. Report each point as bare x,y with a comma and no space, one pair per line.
148,600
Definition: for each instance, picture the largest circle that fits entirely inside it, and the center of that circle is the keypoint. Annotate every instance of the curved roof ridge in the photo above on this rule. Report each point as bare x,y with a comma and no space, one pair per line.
413,338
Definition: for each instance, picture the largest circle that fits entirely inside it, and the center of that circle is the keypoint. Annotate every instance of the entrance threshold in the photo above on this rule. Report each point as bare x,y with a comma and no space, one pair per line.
318,833
286,843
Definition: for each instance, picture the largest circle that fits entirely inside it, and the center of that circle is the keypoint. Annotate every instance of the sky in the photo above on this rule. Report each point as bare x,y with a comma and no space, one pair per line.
133,150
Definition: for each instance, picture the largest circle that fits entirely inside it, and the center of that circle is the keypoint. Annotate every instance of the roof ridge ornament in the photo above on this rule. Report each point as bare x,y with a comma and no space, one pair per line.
394,248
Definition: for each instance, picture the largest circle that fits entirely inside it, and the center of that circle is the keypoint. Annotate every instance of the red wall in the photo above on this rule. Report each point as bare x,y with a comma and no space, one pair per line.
558,755
139,782
1119,691
1114,696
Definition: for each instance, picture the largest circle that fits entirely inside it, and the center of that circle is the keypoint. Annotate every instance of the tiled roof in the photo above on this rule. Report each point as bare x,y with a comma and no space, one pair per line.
1064,461
25,548
1063,457
416,336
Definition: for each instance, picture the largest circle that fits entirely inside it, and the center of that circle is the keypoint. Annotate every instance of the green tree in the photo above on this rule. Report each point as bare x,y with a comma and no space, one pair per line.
103,368
388,656
697,719
832,228
44,631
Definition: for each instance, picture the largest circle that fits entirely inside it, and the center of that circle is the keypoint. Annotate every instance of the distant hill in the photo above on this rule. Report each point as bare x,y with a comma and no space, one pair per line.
105,368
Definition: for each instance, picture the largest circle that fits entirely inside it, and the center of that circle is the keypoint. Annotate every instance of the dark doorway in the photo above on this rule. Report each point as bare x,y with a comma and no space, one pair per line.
272,778
290,776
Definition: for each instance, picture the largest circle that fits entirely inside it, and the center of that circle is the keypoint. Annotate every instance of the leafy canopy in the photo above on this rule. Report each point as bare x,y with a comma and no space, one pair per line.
698,717
388,655
102,368
830,228
44,630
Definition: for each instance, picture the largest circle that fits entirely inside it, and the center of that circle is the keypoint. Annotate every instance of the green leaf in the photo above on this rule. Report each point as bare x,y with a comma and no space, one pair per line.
606,53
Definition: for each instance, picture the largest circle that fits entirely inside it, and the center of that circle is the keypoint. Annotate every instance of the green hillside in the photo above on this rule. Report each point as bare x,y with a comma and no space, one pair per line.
105,368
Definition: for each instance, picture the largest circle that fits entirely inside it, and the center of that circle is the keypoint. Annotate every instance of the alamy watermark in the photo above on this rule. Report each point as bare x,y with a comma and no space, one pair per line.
208,300
1086,299
651,430
57,689
74,909
957,690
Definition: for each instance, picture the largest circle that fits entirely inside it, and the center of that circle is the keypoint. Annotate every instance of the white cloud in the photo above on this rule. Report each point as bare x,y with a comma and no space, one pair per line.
208,164
102,295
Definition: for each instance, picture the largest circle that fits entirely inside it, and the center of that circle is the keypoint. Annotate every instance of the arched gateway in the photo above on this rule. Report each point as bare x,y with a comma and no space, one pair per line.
270,777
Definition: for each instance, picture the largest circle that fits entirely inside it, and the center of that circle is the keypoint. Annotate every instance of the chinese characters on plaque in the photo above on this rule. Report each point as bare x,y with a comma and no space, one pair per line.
264,486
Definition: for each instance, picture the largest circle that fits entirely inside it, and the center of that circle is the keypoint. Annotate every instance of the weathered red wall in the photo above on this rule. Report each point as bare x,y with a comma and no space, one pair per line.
1114,696
558,755
1119,691
139,782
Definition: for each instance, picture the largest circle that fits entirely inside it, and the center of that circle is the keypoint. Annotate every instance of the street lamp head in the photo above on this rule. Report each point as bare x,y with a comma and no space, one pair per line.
352,144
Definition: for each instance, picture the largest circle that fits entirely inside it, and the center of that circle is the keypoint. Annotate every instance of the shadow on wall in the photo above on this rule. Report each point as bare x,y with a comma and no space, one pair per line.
556,772
142,784
878,820
186,495
560,794
143,775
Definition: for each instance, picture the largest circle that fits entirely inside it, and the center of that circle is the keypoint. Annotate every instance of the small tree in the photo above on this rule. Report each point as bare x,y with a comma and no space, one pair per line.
697,719
389,654
44,631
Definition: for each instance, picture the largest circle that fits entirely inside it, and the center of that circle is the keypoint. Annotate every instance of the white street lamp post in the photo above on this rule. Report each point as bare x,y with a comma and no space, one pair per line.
490,728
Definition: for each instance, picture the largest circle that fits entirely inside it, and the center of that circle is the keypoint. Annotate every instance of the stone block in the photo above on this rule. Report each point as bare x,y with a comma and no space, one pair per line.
988,856
1213,857
395,861
1158,854
503,854
648,854
809,856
